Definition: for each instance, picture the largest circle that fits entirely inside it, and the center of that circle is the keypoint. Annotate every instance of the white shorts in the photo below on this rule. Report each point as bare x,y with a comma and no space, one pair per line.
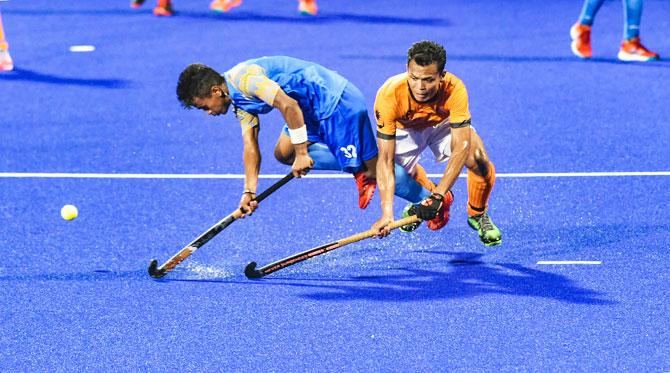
409,144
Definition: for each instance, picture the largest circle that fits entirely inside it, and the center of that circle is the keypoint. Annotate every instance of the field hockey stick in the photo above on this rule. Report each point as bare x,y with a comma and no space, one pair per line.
251,272
157,272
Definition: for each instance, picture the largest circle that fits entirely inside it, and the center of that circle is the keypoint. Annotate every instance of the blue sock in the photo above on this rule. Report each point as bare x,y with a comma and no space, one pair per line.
408,188
323,158
589,11
632,13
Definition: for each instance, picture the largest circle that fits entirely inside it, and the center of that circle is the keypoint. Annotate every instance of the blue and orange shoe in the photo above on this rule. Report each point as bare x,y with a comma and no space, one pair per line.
366,188
581,40
6,63
633,50
163,9
222,6
308,7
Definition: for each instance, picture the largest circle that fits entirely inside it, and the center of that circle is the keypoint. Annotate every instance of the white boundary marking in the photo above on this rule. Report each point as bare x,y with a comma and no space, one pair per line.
82,48
562,262
68,175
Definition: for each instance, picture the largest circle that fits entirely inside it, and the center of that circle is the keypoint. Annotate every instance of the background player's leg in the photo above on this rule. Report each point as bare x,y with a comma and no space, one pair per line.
322,156
6,63
631,47
589,11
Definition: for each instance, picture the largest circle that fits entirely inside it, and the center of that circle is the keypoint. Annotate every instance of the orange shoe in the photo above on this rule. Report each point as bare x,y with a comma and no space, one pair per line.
581,40
136,4
160,11
442,217
308,7
633,50
6,63
163,9
366,188
223,6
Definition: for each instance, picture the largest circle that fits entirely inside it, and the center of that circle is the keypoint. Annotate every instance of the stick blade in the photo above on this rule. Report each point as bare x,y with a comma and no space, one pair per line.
251,272
154,271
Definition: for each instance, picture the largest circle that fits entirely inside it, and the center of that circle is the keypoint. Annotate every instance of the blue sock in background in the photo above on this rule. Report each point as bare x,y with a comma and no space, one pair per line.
408,188
632,12
323,158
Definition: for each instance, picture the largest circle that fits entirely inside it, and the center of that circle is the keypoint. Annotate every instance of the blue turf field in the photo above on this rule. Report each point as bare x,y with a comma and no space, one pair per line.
76,296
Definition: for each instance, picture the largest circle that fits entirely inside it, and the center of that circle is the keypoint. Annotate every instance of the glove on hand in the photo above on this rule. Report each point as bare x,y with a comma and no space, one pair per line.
429,207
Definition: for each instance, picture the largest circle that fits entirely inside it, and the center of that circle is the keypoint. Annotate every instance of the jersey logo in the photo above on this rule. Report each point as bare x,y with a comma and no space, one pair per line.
349,151
380,123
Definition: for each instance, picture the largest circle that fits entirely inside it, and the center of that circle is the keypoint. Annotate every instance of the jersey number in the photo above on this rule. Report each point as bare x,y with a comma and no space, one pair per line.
349,151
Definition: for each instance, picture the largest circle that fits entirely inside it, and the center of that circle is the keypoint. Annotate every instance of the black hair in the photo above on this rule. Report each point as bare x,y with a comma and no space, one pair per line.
197,80
425,52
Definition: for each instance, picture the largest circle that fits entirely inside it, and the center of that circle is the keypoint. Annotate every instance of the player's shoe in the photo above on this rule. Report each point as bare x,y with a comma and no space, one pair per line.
6,63
366,188
581,40
442,217
633,50
135,4
222,6
164,11
409,210
308,7
489,234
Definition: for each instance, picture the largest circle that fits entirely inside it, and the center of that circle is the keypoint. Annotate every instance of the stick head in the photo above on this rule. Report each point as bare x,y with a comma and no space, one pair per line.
154,271
251,272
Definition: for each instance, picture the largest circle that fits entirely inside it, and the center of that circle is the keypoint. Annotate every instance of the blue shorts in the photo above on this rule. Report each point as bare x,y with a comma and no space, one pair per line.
347,132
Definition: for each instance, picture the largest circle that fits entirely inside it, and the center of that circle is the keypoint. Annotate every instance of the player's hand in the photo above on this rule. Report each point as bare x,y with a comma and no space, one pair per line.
302,164
429,207
381,226
248,204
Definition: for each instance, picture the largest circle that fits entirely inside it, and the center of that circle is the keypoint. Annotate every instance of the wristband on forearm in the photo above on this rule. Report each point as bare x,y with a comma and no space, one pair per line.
298,135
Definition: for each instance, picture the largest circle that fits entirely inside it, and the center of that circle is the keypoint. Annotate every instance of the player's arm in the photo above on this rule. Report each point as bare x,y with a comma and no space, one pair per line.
385,182
252,159
460,148
254,82
385,114
295,120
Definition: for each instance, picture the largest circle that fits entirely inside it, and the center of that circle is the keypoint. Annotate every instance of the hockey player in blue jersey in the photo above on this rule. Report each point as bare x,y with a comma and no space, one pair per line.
327,124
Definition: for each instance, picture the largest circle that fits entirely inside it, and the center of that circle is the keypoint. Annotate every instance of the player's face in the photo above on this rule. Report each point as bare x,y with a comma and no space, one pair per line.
424,81
216,104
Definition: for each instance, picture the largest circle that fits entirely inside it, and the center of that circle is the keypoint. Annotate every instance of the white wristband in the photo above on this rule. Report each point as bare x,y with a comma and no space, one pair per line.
298,135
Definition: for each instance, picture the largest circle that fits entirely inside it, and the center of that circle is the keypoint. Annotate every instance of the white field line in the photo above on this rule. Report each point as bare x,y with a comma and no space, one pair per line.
69,175
82,48
569,262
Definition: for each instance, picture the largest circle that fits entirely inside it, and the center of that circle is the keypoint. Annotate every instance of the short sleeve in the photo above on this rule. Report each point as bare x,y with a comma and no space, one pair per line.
252,81
386,112
457,103
247,120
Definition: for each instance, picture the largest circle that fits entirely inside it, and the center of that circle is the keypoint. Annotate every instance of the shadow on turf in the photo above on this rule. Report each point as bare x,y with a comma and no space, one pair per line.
464,276
244,16
33,76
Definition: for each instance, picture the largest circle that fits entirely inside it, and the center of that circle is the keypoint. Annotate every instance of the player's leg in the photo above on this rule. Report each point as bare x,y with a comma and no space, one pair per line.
322,156
481,179
6,63
348,134
631,47
408,148
580,32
